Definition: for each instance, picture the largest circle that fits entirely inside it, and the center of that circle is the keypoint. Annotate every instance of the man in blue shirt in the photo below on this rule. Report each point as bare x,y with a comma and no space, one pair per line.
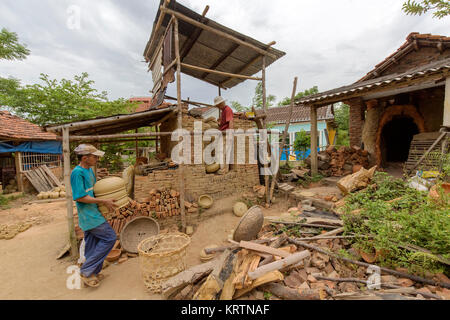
99,236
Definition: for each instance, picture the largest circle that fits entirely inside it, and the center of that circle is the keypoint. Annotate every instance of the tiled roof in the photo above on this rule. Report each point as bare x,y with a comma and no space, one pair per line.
281,114
340,94
15,128
413,41
145,103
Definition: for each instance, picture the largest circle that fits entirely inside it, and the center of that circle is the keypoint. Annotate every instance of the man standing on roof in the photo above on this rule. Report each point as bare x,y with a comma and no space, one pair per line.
99,236
226,123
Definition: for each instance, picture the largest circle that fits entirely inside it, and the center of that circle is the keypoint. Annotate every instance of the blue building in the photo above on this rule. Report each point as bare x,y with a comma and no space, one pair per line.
301,120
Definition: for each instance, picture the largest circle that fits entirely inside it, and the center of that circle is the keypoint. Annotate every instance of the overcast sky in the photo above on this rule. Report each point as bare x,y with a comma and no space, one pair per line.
328,43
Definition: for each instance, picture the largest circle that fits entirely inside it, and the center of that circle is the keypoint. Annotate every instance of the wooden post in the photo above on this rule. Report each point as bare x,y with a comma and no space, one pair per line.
136,145
314,163
446,120
180,122
157,140
286,129
266,177
71,224
18,163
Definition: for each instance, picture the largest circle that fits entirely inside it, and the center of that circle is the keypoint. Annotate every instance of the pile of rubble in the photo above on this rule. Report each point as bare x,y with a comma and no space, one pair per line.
305,259
342,161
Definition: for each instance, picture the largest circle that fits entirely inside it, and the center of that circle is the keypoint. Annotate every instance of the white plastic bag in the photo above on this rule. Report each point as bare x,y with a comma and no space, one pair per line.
418,183
82,258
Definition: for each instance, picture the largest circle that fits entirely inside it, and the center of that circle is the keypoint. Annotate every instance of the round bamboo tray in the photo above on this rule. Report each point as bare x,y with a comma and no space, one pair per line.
161,257
135,231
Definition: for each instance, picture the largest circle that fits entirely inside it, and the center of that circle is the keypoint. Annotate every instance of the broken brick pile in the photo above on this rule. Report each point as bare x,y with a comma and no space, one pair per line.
342,161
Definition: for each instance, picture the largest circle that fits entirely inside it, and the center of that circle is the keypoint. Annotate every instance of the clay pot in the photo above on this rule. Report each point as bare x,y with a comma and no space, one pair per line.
211,168
434,192
111,188
239,209
205,201
114,255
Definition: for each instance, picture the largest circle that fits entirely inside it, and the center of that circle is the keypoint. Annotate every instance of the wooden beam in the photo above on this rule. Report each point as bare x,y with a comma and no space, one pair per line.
248,65
180,121
314,162
283,140
220,60
217,32
446,120
18,163
157,27
190,102
108,120
67,170
393,92
194,37
232,75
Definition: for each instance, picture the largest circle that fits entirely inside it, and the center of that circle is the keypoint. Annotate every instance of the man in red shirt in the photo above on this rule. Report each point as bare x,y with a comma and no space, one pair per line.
226,123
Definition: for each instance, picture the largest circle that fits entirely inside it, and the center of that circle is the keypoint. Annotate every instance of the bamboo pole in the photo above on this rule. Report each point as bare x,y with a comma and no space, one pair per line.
69,204
286,128
180,122
194,103
227,74
314,162
266,176
18,163
218,32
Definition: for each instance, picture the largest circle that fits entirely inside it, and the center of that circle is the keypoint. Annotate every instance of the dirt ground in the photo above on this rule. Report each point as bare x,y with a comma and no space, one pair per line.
29,268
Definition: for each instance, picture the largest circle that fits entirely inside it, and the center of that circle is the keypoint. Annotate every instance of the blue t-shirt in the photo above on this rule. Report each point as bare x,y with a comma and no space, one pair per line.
82,181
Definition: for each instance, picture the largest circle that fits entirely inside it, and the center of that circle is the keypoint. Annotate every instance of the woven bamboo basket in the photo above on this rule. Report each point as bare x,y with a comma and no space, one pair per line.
161,257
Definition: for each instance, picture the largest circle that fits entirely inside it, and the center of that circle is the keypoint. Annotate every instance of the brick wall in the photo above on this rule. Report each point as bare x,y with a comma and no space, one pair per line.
356,121
241,177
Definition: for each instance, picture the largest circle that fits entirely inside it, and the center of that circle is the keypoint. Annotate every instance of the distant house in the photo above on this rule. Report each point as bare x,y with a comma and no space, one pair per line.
24,146
145,103
300,120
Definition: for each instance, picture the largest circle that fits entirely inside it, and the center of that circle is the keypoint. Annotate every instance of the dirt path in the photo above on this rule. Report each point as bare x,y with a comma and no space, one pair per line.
29,269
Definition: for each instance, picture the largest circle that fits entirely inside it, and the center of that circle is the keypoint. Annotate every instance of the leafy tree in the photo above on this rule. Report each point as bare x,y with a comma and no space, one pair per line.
441,8
302,141
341,116
257,100
287,101
10,48
54,101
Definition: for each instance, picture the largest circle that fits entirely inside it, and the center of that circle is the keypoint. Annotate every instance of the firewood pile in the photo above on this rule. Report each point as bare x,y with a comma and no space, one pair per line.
293,262
342,161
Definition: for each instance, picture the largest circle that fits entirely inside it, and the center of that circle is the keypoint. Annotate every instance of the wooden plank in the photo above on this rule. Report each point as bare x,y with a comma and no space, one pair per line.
263,248
52,176
44,175
231,75
33,182
42,180
38,180
280,264
269,277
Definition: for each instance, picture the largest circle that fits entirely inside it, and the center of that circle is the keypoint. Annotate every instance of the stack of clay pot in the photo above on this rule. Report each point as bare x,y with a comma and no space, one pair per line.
57,192
111,188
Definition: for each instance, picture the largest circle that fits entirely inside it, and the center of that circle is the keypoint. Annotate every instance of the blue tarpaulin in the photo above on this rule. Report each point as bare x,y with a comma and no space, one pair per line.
50,147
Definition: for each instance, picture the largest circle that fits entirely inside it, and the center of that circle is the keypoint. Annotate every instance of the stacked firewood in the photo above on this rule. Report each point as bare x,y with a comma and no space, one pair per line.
279,265
342,161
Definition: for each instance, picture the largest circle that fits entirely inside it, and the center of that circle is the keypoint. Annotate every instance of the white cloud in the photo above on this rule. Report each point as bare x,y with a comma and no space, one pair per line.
328,43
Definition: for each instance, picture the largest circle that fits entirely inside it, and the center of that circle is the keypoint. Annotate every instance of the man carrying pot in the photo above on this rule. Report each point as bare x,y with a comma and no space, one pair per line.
99,236
226,123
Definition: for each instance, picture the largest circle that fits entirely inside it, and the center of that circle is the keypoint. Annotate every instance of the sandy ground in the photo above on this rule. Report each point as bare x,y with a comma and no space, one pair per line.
29,268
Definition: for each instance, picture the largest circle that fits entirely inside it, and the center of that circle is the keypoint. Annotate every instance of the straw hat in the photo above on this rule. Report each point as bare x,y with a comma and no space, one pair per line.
218,100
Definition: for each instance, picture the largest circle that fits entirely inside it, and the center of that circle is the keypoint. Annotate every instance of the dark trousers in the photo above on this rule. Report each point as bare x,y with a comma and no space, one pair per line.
98,243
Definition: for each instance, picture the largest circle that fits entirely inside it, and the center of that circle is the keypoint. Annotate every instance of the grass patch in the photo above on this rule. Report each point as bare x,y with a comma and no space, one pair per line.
390,227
